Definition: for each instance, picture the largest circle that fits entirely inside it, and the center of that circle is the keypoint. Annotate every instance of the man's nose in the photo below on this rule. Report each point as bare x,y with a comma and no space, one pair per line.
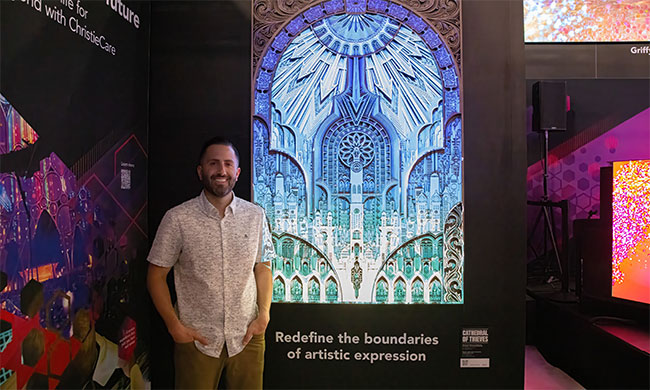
220,167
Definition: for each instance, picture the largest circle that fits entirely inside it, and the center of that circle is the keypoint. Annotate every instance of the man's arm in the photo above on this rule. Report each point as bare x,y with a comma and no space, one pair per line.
264,281
157,286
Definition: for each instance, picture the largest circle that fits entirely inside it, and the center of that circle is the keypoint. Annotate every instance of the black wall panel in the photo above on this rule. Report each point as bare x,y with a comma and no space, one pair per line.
200,86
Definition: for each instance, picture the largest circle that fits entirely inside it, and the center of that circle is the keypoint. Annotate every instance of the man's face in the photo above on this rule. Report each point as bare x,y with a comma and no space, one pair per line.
219,170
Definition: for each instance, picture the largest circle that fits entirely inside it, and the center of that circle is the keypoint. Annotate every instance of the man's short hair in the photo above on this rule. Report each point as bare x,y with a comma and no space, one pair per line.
218,140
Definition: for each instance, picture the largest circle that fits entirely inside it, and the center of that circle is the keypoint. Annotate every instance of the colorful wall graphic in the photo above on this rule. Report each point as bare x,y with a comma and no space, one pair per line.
574,169
586,20
73,195
357,150
631,230
15,133
69,240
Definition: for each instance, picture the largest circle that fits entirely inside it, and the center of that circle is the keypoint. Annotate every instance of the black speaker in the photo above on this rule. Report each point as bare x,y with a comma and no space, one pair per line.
549,106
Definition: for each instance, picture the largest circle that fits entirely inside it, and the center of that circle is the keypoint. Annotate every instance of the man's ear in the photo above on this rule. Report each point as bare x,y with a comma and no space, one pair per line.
199,172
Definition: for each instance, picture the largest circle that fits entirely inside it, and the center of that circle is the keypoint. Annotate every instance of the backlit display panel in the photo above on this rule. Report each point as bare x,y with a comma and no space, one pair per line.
587,20
631,230
357,157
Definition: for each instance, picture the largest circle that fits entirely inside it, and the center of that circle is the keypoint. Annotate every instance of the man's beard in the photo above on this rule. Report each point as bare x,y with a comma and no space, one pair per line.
218,189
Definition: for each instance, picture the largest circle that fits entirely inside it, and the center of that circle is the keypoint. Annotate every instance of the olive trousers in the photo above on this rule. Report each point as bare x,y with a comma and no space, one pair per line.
195,370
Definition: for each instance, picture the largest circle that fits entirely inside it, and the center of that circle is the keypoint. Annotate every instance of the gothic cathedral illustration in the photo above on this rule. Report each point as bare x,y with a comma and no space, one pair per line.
357,149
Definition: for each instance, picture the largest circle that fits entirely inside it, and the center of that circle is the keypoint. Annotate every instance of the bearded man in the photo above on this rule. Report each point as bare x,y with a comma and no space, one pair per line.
220,248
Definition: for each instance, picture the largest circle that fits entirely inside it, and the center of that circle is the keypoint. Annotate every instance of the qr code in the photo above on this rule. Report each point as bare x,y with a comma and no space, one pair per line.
125,179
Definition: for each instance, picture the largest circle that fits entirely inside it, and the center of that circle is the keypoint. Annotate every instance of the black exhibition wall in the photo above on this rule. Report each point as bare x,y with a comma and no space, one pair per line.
201,86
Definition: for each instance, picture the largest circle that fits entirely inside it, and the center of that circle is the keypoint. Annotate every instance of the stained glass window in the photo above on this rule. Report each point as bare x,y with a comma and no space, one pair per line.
357,155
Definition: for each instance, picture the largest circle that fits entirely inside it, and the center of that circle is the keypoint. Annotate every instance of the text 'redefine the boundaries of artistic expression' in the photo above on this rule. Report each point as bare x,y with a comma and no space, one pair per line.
343,340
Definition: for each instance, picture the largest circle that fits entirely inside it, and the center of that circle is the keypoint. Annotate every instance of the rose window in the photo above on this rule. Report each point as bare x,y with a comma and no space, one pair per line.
356,151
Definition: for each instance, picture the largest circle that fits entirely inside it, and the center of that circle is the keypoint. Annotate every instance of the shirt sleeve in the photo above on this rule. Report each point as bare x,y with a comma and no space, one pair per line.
167,245
267,252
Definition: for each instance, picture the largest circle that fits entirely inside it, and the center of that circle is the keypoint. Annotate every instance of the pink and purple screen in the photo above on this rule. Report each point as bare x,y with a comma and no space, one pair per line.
631,230
586,20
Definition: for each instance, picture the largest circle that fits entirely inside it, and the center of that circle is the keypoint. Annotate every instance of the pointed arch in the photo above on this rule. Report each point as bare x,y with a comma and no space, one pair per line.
435,290
46,246
333,290
399,290
296,290
279,289
314,290
382,290
417,290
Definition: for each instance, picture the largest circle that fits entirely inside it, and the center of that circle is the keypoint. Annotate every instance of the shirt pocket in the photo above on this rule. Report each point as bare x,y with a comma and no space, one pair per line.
202,249
243,244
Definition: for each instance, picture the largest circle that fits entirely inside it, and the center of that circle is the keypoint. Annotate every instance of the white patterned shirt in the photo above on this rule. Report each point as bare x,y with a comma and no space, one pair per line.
213,260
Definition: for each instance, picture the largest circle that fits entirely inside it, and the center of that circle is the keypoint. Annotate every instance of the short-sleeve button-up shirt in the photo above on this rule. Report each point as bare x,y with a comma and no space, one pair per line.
213,260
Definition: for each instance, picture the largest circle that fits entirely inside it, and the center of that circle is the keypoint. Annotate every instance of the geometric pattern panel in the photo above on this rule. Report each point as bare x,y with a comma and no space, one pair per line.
576,175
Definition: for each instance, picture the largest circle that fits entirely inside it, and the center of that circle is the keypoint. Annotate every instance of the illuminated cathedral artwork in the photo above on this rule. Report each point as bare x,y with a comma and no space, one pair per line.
357,150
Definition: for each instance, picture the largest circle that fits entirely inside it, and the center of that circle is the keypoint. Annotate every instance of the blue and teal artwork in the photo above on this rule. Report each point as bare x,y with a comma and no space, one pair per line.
357,156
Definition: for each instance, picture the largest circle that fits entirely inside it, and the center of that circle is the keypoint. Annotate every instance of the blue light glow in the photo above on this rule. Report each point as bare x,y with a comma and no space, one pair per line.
357,160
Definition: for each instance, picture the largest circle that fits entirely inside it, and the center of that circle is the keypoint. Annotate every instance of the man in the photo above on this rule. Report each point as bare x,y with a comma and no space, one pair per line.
220,247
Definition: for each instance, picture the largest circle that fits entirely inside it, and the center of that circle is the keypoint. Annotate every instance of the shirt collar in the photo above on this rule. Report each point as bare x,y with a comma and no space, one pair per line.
210,210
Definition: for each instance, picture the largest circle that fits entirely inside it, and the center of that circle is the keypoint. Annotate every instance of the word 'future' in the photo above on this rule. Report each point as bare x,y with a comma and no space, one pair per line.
124,11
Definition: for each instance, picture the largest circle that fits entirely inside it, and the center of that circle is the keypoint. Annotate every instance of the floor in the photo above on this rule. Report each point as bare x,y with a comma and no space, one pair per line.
540,375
